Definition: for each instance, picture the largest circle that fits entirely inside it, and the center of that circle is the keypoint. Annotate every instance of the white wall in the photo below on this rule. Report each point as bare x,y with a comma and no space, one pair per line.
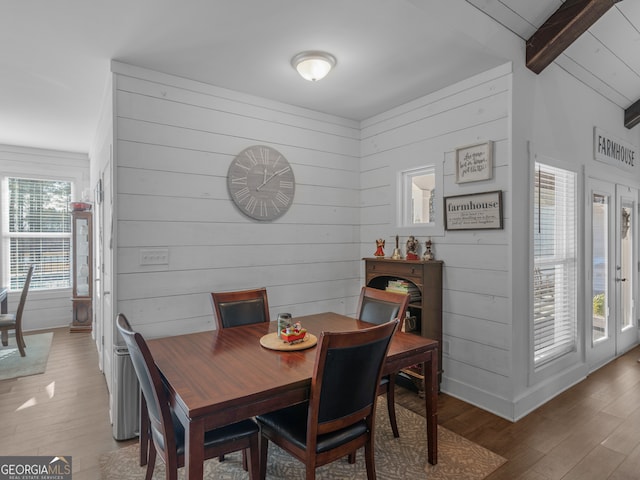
476,291
52,308
175,140
554,117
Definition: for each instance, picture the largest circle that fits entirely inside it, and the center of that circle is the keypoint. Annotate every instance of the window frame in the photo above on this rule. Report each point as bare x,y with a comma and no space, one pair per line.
404,199
558,364
7,236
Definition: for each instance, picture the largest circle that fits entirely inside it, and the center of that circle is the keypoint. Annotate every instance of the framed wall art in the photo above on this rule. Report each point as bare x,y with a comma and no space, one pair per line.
474,162
474,211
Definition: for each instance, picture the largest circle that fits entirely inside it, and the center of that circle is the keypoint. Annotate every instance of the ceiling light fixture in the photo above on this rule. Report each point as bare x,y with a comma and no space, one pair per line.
313,66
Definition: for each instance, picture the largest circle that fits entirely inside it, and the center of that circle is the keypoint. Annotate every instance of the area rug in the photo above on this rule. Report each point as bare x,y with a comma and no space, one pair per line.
396,458
12,365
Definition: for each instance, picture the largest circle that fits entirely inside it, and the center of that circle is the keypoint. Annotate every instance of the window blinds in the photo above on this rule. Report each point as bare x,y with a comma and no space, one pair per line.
555,263
39,232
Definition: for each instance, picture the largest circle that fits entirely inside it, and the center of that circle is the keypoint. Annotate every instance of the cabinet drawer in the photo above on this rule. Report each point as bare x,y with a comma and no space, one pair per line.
400,269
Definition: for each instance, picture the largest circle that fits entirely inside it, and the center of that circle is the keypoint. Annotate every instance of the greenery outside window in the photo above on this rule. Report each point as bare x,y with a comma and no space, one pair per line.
37,229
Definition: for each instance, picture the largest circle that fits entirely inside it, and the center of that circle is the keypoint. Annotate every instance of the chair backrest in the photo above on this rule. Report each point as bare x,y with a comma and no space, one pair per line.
25,291
243,307
160,418
380,306
346,377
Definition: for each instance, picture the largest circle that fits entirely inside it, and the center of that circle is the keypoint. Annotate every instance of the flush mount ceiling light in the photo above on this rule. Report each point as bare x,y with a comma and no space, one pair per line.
313,66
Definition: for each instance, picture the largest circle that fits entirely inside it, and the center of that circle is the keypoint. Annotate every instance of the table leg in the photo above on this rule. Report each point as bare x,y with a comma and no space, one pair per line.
430,370
194,448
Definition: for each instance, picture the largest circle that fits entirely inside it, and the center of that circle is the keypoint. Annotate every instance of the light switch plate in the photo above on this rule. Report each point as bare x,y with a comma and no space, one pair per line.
154,256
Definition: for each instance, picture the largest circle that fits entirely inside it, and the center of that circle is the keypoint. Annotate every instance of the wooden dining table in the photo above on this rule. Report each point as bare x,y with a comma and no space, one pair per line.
219,377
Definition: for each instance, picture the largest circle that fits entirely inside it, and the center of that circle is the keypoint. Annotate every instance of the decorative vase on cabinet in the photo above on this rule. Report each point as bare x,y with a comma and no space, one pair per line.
422,279
82,299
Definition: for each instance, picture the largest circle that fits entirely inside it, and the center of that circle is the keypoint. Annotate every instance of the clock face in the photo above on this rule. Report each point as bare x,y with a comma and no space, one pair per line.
261,183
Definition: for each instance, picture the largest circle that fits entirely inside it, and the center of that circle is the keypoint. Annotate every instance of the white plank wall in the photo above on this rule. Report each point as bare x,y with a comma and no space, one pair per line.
52,308
174,142
476,293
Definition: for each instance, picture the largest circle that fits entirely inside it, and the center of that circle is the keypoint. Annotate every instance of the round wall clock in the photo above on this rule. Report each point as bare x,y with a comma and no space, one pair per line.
261,183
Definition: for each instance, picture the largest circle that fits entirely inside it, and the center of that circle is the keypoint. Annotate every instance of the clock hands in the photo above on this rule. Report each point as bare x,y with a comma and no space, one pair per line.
275,174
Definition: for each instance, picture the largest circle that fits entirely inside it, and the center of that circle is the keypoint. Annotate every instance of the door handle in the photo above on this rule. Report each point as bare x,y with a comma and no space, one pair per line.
621,279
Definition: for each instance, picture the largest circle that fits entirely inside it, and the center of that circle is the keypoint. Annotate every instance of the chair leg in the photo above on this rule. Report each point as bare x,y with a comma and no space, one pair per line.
369,459
151,461
352,458
20,342
391,404
221,458
244,460
5,338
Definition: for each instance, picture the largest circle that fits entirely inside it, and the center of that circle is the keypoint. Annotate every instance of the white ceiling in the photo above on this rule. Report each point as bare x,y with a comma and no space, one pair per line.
55,55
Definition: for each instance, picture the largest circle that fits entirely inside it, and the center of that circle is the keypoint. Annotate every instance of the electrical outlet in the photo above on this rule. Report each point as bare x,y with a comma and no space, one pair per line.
154,256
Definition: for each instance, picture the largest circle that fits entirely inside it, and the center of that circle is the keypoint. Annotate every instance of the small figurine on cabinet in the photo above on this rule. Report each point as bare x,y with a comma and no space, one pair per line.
380,248
397,253
412,248
428,254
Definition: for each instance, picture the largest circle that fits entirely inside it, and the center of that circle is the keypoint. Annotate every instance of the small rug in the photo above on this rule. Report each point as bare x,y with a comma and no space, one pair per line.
396,458
12,365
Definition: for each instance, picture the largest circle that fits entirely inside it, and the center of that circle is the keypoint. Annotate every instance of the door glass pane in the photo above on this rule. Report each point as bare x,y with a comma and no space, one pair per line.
625,273
600,236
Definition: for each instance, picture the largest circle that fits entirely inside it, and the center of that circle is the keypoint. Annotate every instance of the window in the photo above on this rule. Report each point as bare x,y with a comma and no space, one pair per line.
418,191
38,230
555,263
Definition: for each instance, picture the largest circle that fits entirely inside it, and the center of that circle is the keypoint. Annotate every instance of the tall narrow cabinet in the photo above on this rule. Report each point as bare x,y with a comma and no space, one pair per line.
424,281
82,251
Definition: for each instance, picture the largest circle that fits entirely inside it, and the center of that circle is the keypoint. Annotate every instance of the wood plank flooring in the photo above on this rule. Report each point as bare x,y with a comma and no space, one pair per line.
590,432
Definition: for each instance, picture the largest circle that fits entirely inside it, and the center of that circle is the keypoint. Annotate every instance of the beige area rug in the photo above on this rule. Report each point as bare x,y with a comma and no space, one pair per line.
12,365
401,458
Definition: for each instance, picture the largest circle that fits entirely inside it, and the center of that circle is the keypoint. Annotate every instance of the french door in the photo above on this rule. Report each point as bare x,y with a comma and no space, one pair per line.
612,277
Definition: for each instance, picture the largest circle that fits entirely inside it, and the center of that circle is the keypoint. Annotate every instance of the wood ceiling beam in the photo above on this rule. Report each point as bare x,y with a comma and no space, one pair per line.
632,115
572,19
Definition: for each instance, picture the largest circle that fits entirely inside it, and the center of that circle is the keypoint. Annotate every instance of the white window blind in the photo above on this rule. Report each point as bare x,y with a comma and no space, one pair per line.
39,231
555,263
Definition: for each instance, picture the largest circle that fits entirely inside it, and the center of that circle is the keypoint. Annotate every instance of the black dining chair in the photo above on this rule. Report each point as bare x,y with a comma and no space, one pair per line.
331,425
166,433
241,307
10,321
380,306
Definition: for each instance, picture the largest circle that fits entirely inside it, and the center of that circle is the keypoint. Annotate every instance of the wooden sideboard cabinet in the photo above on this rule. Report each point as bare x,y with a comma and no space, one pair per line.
424,278
82,299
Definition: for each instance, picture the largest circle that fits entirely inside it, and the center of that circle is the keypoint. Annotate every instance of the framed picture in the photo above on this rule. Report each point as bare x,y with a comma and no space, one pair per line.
474,162
474,211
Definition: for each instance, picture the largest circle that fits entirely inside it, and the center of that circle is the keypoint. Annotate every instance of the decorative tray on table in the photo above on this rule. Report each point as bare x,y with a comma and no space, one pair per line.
291,338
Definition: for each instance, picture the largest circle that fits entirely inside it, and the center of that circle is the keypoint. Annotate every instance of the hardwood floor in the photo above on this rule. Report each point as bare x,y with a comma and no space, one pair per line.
63,411
590,432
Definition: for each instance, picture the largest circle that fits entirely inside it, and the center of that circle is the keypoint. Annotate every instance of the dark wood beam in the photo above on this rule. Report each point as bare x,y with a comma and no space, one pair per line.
632,115
560,30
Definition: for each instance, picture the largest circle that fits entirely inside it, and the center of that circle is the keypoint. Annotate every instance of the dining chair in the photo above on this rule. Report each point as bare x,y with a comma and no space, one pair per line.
241,307
9,321
380,306
331,425
166,434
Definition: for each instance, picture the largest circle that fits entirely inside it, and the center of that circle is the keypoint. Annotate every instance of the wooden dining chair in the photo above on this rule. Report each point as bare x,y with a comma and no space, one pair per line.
10,321
380,306
331,425
166,434
242,307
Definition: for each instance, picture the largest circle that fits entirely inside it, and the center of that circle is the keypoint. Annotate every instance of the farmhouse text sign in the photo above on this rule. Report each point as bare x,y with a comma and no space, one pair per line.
474,211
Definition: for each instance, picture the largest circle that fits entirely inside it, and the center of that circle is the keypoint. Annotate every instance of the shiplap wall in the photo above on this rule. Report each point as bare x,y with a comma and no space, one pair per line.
52,308
476,292
175,140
